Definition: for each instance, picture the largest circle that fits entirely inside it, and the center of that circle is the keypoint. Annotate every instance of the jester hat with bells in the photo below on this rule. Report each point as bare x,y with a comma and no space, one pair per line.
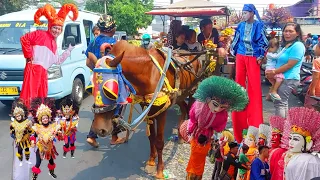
19,108
305,122
55,19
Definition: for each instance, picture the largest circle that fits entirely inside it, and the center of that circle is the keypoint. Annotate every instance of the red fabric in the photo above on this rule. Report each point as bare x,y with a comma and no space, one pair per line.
39,38
72,148
66,149
36,170
248,69
184,131
35,83
277,163
32,138
51,166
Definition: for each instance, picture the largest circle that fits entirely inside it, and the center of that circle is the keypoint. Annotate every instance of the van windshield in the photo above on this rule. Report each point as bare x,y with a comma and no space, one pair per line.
11,31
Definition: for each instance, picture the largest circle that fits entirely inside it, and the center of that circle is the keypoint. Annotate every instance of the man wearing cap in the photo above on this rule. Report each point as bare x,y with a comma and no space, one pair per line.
232,164
249,46
107,28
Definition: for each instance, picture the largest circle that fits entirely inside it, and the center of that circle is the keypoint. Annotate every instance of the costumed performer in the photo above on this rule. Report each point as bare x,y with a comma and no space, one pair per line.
276,151
214,97
249,46
107,28
252,141
264,135
69,125
41,52
20,130
46,132
304,138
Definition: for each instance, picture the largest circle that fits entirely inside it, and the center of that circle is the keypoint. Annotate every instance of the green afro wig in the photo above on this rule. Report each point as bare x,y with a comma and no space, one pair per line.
224,89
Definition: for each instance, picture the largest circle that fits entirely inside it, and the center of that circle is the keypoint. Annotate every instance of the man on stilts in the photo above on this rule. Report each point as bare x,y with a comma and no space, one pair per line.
249,46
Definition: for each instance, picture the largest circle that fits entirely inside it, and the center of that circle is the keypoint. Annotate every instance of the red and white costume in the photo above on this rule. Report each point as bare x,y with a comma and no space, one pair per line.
40,50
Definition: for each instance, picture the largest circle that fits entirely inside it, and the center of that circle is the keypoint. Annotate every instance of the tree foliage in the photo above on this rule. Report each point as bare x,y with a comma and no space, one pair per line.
276,17
128,14
8,6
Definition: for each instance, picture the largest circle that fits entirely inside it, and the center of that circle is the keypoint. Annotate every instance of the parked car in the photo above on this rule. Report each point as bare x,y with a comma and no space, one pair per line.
67,79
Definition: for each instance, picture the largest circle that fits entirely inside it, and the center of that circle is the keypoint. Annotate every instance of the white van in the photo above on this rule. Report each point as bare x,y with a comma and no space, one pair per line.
70,78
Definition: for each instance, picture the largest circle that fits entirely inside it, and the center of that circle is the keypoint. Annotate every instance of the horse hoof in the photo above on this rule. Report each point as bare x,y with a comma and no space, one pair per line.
160,176
150,169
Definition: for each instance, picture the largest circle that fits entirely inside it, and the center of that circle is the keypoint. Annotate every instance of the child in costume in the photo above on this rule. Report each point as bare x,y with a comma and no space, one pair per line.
214,96
249,46
276,151
20,130
243,159
46,132
252,140
41,52
304,138
272,56
69,126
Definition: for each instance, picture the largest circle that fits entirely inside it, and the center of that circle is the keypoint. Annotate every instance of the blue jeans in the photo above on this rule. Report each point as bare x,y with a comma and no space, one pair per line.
91,133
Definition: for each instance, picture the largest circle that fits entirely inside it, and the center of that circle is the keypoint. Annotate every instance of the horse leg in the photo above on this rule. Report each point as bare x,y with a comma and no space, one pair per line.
159,143
153,151
182,118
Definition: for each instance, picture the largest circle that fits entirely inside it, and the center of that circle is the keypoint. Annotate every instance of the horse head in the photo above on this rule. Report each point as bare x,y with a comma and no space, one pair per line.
107,89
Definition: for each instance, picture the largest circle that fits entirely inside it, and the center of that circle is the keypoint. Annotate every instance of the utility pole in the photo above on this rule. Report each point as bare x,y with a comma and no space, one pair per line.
105,6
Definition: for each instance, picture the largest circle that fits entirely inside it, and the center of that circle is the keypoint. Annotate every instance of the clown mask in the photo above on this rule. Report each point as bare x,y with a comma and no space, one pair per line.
216,107
275,140
250,141
298,144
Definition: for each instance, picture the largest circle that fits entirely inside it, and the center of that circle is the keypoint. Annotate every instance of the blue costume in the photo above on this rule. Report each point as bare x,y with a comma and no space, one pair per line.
94,47
249,45
259,170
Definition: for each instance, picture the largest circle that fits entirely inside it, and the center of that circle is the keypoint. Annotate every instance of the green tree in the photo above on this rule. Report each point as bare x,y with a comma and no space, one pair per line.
8,6
128,14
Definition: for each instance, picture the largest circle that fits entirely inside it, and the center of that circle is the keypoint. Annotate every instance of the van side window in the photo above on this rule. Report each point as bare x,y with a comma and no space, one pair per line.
88,25
72,31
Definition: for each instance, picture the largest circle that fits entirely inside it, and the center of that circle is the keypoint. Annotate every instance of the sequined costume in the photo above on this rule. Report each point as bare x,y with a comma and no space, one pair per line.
40,49
20,130
69,126
45,133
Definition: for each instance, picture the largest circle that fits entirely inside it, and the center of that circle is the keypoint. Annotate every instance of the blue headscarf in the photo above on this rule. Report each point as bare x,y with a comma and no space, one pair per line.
251,8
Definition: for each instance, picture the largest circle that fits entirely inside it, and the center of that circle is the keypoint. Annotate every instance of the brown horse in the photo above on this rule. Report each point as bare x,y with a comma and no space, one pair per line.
142,73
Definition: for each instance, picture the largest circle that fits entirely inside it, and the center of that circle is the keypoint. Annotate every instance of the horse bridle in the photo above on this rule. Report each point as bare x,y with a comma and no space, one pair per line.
103,109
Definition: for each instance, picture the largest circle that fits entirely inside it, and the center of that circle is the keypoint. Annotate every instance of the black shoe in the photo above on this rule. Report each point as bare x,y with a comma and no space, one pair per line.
72,153
64,155
51,173
34,176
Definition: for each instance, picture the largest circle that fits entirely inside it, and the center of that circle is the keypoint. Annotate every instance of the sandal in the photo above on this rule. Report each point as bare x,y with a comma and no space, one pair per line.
275,97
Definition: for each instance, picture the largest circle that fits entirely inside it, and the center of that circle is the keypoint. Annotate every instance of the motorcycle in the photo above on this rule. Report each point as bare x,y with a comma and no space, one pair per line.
305,81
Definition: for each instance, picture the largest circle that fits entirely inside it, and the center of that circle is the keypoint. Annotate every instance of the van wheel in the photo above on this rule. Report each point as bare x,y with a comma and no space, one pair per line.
77,91
7,102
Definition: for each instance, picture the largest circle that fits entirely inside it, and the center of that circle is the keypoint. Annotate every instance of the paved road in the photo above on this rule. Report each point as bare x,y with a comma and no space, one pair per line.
108,162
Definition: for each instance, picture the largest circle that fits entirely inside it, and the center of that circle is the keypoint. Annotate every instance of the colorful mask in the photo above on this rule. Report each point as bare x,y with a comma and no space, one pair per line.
296,143
275,140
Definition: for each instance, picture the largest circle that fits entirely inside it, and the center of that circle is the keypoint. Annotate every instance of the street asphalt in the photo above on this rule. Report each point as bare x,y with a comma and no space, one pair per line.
108,162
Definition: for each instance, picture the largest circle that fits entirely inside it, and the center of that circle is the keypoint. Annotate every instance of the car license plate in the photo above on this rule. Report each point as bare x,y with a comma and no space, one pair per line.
9,91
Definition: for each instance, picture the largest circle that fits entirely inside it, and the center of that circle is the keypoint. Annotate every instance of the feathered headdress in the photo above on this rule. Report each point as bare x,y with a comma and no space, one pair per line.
68,107
226,90
306,122
253,133
265,133
56,18
19,108
41,107
277,124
